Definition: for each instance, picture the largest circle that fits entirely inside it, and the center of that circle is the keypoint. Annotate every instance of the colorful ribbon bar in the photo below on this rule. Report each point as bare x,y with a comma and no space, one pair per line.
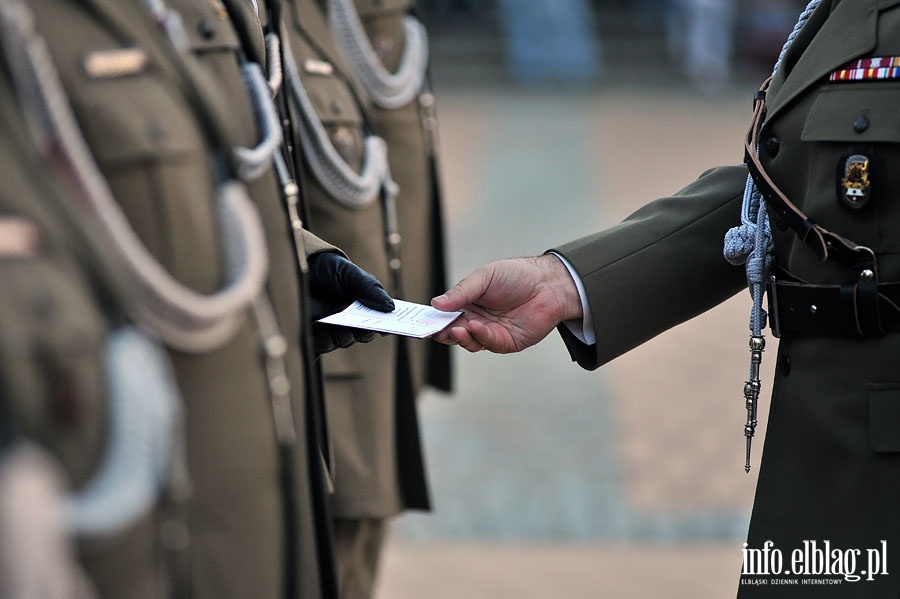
868,69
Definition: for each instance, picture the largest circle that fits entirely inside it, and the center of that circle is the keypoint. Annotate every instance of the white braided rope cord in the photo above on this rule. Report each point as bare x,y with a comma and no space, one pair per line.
253,162
185,319
349,188
145,413
143,402
273,61
387,90
751,242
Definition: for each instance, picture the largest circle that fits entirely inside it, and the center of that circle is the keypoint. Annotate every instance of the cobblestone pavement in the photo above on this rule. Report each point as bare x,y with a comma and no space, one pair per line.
625,482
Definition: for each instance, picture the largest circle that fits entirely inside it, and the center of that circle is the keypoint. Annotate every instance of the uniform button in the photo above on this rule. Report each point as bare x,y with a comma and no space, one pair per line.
772,145
861,124
343,142
384,47
206,29
336,107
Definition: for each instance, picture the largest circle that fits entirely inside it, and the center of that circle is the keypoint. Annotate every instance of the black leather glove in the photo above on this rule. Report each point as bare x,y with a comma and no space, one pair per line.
334,284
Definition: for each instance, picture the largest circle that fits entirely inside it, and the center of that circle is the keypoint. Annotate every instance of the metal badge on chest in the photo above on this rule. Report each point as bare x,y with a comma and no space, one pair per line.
854,186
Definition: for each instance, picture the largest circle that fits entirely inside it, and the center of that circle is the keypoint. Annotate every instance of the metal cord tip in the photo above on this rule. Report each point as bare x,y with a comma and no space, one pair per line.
747,463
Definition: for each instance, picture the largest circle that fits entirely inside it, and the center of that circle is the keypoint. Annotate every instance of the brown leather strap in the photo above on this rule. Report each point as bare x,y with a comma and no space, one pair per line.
824,243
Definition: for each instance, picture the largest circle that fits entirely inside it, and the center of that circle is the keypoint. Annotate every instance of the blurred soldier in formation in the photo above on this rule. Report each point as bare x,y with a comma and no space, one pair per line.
62,302
173,159
551,42
356,82
700,36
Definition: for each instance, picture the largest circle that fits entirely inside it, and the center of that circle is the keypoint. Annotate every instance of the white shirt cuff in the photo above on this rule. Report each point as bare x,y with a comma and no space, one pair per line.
583,329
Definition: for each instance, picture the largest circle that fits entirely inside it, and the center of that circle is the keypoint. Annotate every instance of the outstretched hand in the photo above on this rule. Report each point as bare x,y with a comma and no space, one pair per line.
509,305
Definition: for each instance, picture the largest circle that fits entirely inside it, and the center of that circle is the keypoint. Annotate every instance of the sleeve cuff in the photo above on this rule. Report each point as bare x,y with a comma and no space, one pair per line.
583,329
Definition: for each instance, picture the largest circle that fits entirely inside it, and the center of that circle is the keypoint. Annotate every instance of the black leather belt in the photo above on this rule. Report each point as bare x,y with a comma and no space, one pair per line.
852,310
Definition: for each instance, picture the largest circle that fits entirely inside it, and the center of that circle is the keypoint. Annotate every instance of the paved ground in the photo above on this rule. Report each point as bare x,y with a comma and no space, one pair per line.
486,571
548,480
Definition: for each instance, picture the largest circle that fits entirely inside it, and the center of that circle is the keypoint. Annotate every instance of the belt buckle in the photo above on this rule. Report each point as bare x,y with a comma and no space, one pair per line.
772,296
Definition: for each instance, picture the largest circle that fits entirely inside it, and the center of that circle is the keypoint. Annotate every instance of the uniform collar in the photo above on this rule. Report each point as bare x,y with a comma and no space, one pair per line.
133,24
311,19
249,25
130,21
849,32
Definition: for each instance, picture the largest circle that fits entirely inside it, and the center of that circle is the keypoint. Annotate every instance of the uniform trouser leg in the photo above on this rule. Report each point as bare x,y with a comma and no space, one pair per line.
357,544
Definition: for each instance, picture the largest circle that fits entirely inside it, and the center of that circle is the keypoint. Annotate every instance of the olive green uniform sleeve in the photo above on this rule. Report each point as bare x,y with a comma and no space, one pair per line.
658,268
316,245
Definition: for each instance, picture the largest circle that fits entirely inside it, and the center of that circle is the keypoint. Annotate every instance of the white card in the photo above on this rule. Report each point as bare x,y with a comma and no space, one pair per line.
409,319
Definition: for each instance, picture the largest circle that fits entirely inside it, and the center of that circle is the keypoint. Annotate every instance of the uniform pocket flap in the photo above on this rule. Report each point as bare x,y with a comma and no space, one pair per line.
884,418
146,121
853,112
343,363
330,96
207,32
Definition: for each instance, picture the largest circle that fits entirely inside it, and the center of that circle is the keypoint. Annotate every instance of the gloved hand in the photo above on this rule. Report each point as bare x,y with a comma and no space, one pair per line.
334,284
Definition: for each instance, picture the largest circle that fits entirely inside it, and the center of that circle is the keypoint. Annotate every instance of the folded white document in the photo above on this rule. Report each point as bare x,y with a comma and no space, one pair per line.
409,319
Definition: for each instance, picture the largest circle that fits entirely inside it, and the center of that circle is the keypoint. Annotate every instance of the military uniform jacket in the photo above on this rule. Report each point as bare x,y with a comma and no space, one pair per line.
411,134
59,298
158,140
831,461
57,304
378,464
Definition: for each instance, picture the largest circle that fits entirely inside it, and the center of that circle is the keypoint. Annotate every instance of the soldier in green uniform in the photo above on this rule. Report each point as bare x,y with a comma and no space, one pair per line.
166,150
61,298
822,151
357,80
386,50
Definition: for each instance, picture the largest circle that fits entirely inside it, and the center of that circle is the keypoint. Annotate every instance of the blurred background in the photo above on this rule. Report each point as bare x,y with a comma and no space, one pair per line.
558,119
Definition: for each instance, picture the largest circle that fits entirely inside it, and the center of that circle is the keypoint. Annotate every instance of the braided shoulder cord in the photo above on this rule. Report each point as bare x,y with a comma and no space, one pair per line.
190,321
253,162
387,90
355,191
751,244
